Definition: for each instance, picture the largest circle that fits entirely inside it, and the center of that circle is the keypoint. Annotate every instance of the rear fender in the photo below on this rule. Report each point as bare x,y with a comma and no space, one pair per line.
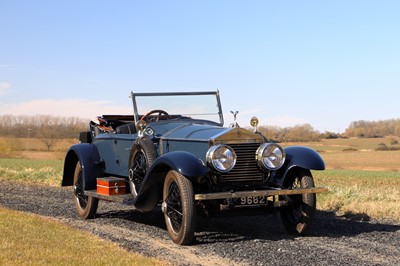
91,164
183,162
298,156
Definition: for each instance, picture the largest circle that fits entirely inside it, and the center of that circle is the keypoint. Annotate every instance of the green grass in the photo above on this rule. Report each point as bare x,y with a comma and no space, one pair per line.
27,239
45,172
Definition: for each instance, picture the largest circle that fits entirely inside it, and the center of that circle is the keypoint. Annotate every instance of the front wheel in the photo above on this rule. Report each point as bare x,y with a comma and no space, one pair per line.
178,207
298,216
86,206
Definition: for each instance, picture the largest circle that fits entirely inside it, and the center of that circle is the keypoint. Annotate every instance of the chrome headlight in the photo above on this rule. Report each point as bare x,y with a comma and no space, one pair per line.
270,156
221,157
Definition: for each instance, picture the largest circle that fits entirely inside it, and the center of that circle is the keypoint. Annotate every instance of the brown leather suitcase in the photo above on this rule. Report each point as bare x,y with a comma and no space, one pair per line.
111,186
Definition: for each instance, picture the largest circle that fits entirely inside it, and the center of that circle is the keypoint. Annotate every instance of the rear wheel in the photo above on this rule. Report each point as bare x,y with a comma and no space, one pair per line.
178,207
86,206
298,216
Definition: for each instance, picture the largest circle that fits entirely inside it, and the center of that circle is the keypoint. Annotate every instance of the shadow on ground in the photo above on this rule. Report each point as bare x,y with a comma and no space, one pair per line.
229,228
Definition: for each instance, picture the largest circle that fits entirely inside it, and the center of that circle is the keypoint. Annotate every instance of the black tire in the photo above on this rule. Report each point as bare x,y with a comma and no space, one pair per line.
143,154
179,208
86,206
298,216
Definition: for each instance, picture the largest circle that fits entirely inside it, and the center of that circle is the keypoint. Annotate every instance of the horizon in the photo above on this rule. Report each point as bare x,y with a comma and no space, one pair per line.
82,119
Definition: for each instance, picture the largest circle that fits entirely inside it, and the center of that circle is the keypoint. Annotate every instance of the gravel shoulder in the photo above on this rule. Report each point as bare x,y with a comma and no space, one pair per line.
245,240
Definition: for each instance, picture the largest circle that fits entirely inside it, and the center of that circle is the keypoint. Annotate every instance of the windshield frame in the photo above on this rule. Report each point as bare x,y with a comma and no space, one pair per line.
134,97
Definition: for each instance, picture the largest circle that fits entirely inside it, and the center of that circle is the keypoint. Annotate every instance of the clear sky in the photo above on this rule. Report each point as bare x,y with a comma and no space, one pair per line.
325,63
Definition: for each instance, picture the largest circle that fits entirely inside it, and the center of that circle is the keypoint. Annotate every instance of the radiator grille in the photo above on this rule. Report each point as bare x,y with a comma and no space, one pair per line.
246,168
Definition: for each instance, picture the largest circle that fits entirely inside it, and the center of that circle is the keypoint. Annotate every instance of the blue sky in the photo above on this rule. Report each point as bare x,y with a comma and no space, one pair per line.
325,63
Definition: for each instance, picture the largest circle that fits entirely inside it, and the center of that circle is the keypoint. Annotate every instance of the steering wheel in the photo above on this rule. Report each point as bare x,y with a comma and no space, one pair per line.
160,112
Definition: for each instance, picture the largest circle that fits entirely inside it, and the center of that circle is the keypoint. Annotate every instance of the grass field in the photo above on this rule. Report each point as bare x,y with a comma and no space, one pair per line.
369,194
44,172
31,148
28,239
356,153
364,184
362,181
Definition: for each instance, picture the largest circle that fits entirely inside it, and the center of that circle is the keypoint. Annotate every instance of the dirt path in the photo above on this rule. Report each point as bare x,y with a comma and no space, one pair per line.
259,240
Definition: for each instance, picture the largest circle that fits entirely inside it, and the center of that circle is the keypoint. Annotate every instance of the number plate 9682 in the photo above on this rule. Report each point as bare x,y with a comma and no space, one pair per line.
255,200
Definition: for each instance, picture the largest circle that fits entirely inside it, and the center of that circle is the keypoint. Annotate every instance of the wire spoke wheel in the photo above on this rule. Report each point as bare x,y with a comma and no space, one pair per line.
178,207
142,156
137,171
86,206
174,207
298,216
79,193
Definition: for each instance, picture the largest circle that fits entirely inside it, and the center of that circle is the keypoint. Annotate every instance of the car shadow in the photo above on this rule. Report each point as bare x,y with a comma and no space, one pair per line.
236,228
349,224
154,218
269,227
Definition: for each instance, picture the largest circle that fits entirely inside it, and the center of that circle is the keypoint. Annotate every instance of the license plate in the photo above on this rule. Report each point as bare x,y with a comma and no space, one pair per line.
256,200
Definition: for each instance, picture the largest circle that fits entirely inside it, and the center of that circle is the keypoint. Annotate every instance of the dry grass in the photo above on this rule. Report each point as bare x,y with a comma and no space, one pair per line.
338,145
33,148
361,180
363,160
372,193
356,153
27,239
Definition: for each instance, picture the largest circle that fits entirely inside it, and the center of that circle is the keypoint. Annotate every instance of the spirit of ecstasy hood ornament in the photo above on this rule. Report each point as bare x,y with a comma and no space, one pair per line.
234,124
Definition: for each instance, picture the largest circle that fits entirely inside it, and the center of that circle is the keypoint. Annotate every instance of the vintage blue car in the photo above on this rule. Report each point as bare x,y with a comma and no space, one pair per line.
175,153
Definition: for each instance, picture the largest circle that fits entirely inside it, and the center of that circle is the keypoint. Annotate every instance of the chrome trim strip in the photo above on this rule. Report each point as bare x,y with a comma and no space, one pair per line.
184,139
174,93
255,193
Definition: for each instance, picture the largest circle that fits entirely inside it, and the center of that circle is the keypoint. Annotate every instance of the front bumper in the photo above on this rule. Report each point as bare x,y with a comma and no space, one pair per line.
256,193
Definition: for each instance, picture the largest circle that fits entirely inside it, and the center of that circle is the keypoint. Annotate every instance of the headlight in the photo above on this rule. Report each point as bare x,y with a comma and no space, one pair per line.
270,156
221,157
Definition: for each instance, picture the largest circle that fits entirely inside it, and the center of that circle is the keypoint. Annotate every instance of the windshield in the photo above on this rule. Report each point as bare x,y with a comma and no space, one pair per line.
196,105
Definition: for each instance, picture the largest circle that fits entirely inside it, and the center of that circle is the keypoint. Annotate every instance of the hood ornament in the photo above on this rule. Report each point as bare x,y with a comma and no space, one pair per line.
235,123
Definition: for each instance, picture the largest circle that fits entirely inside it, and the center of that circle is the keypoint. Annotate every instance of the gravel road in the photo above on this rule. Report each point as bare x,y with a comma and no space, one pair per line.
259,240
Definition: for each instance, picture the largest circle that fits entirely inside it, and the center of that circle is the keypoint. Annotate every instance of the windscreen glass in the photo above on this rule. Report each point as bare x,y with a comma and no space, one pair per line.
193,106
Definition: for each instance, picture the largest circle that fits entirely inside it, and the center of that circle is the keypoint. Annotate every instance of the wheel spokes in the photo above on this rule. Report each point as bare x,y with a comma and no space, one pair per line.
79,193
297,208
138,170
174,207
296,183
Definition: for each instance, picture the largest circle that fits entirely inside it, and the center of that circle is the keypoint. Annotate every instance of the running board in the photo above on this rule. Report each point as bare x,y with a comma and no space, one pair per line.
126,199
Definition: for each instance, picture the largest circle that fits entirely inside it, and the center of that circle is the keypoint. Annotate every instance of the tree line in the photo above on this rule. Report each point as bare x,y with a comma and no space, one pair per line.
48,128
41,126
373,129
302,133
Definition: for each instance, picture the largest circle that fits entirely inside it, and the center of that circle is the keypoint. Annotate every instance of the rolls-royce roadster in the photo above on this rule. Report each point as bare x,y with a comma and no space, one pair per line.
174,153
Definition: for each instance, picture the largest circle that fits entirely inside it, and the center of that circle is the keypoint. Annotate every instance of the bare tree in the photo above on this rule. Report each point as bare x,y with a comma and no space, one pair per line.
17,126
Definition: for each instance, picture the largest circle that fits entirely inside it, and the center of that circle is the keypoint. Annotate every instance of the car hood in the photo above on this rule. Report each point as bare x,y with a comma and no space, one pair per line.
212,134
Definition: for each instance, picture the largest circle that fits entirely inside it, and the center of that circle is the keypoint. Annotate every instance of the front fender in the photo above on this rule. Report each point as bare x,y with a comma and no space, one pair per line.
183,162
298,156
150,192
89,158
